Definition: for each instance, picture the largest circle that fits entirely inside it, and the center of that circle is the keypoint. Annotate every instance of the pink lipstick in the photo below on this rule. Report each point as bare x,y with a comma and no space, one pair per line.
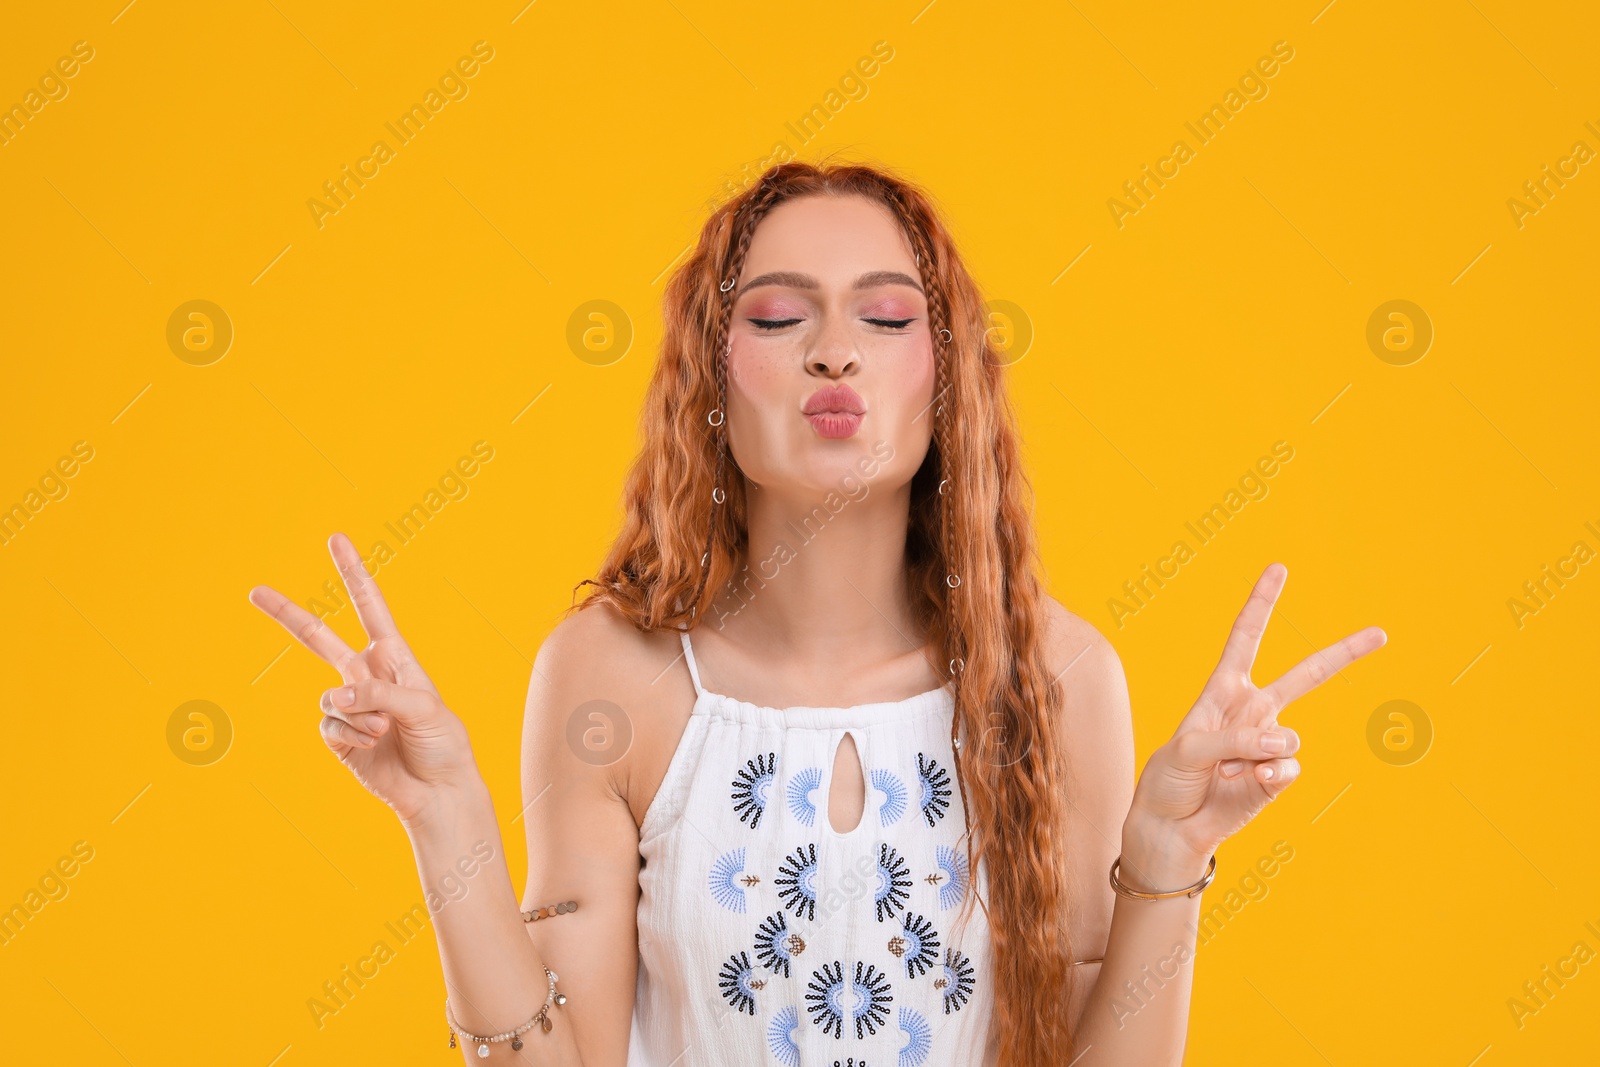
834,411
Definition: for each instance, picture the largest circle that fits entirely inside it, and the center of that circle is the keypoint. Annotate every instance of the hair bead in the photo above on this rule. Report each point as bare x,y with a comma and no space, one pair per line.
726,285
715,418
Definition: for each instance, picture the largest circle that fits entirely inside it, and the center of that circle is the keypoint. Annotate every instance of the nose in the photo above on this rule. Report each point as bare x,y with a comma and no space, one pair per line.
834,353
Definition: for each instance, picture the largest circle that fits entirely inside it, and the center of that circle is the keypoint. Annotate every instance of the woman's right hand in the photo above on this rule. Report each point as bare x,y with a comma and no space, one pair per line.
387,722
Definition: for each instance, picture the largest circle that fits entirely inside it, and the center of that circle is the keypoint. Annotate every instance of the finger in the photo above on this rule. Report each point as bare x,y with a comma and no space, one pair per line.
376,694
1202,749
1276,775
1318,667
374,723
1239,654
370,605
341,735
309,630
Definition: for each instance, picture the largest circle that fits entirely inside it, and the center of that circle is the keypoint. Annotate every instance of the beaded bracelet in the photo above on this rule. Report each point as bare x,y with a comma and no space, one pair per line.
548,910
541,1019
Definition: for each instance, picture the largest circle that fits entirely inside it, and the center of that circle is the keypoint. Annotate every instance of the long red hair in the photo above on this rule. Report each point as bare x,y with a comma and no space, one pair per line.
970,557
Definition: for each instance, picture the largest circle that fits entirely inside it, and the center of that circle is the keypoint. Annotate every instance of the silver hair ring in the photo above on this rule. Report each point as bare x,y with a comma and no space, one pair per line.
715,418
958,665
703,559
946,334
952,580
944,482
718,495
727,285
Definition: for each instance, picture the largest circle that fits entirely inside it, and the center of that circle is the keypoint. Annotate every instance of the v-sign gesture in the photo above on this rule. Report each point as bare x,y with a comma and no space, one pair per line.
1229,757
387,723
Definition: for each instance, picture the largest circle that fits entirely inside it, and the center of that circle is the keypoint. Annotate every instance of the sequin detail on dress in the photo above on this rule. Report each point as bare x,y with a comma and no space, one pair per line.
936,790
769,936
797,881
751,786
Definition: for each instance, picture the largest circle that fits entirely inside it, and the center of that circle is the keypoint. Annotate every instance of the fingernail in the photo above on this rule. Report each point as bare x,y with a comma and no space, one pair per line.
1272,743
344,697
1232,768
1266,773
379,724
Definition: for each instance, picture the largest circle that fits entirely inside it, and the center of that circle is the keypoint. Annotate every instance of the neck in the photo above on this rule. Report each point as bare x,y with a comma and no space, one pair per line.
824,576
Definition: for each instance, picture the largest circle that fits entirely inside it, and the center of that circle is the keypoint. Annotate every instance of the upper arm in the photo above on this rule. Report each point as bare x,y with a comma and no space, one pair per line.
1098,741
583,844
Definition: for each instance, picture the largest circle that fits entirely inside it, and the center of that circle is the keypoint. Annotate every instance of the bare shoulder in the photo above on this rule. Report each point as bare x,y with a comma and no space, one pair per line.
599,643
1084,663
599,655
605,701
1096,718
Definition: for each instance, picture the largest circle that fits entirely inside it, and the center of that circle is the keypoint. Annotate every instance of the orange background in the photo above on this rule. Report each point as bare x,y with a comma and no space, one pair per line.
432,311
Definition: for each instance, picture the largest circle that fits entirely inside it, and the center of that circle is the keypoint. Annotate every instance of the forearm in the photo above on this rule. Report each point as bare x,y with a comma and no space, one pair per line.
493,974
1138,1011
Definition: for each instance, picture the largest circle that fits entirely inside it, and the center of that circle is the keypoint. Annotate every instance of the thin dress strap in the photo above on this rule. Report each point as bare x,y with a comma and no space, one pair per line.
688,655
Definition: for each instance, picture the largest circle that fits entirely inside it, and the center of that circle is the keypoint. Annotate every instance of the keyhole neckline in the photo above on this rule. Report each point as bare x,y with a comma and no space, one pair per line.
867,807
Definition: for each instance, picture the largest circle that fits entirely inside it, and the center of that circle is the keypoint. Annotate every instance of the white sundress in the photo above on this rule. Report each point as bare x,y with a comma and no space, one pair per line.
767,937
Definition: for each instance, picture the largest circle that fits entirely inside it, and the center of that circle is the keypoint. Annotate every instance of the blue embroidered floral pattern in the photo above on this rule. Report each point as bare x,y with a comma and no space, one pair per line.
936,790
957,981
728,892
893,879
918,1037
775,945
918,944
751,786
866,1010
735,982
797,882
953,865
781,1034
894,796
801,786
833,947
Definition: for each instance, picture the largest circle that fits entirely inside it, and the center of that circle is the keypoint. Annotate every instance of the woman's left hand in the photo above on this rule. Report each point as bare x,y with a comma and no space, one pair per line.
1229,757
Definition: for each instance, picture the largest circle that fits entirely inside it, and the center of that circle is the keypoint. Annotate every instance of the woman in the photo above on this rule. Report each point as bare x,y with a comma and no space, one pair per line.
865,814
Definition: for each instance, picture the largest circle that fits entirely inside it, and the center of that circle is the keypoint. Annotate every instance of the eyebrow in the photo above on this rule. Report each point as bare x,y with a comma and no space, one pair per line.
796,280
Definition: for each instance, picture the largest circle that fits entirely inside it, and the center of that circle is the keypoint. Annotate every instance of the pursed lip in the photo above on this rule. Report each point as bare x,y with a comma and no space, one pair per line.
834,400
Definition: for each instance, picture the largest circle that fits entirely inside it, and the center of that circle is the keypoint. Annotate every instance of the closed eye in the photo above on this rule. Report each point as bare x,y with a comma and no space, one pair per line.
778,324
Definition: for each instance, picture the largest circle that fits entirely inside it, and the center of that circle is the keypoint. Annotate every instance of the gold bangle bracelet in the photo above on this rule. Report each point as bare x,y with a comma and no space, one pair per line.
1188,891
